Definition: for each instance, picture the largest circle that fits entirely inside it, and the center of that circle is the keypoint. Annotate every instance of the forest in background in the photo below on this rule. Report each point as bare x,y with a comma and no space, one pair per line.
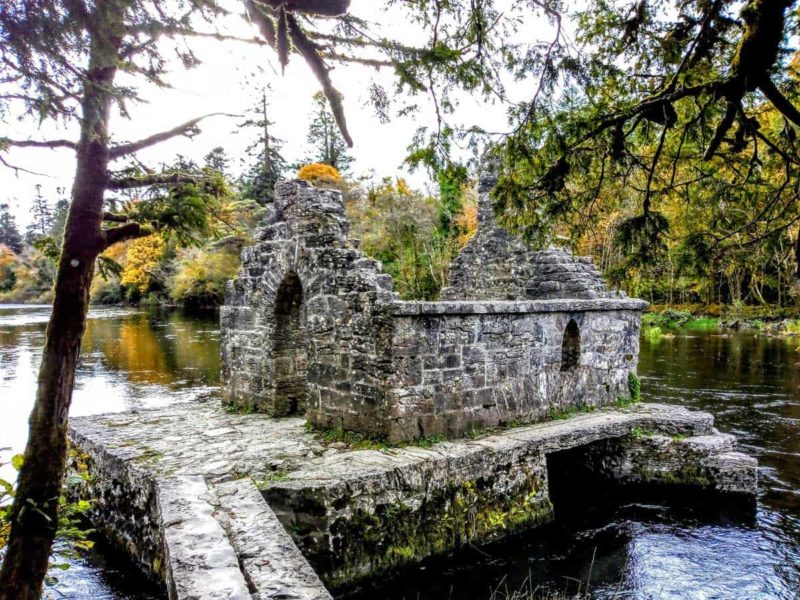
415,235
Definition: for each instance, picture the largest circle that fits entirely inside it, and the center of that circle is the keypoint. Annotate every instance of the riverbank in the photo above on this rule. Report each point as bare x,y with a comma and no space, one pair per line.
769,320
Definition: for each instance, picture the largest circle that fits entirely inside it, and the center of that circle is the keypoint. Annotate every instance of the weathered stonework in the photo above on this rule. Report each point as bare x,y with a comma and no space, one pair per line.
229,504
178,489
312,327
496,265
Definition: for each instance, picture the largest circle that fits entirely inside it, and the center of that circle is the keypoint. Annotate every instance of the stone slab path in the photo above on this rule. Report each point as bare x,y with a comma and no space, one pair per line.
196,470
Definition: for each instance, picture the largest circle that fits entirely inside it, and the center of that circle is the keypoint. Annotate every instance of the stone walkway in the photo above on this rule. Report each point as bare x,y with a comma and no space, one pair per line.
182,488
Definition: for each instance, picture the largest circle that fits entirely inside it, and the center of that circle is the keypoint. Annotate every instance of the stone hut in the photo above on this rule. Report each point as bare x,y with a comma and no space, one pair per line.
312,327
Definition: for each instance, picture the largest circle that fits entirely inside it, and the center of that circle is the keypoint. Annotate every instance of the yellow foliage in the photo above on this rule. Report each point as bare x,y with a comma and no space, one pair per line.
7,256
318,173
467,223
142,257
202,275
402,187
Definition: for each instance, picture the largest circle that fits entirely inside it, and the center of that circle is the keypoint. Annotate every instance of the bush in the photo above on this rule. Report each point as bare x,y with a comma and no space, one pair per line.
319,174
201,276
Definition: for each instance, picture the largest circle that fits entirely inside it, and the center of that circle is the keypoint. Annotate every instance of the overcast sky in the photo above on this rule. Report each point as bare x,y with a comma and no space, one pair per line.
230,80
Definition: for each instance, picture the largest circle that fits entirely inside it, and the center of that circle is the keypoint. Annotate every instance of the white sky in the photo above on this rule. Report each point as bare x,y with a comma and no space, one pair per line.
230,80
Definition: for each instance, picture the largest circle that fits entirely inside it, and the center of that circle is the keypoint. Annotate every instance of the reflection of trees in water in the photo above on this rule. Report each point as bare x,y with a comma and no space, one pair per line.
129,345
195,343
156,348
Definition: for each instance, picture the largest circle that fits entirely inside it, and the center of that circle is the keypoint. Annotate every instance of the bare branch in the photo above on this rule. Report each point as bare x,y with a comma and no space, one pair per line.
17,169
52,144
779,101
186,129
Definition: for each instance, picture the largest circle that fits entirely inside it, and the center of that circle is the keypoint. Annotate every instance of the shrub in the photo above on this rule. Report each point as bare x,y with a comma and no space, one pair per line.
319,174
201,276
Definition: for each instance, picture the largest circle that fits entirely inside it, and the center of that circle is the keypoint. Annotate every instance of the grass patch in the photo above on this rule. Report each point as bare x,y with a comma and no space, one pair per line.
561,413
358,441
702,324
274,477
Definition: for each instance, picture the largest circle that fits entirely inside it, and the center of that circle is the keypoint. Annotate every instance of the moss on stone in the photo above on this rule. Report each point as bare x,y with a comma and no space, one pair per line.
366,543
634,386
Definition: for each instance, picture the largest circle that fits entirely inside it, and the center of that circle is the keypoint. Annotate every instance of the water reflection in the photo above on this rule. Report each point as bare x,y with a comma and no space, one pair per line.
131,359
641,548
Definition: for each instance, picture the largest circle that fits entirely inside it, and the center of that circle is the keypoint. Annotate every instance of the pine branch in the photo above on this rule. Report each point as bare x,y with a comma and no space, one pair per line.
326,8
309,52
128,183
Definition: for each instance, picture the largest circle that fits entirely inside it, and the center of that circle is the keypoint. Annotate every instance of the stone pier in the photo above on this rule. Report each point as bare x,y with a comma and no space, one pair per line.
224,505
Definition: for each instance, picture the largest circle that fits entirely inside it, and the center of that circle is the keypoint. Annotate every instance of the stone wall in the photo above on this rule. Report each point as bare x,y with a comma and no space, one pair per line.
307,322
312,327
496,265
463,366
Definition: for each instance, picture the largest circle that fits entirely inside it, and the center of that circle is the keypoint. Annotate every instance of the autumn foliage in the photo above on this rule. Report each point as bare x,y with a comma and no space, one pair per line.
319,174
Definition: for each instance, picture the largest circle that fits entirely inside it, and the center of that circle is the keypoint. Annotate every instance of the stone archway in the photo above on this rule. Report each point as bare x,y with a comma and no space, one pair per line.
571,346
290,349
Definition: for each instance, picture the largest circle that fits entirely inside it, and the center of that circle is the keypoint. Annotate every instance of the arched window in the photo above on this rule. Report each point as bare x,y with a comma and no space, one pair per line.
290,350
571,346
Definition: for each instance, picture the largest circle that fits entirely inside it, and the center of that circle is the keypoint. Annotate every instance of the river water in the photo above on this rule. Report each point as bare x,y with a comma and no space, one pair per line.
624,547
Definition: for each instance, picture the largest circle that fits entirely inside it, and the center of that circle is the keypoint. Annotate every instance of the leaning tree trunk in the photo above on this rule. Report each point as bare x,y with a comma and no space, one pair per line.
35,511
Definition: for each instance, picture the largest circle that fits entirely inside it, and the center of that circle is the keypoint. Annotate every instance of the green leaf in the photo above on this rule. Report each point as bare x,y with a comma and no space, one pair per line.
17,460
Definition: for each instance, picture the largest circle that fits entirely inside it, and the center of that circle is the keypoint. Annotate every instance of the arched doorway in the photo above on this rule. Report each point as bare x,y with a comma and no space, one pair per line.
571,346
290,350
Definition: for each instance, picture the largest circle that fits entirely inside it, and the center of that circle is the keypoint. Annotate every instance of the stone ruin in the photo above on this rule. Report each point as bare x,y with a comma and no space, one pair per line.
226,504
312,327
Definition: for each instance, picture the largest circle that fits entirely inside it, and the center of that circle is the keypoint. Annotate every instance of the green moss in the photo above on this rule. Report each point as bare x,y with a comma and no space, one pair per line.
367,543
273,477
566,412
689,474
358,441
641,432
149,457
634,386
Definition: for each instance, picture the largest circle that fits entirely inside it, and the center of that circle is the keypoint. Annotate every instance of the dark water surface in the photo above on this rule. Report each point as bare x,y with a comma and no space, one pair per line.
626,547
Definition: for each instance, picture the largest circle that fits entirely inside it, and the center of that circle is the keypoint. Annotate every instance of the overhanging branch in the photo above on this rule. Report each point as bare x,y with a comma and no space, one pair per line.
52,144
186,129
309,52
129,183
124,232
780,102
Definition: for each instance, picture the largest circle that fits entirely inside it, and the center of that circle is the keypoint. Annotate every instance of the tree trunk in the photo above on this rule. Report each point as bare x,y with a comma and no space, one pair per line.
35,511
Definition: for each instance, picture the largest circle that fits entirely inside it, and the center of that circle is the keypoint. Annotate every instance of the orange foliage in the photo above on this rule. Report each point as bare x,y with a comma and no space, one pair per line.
318,173
467,223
